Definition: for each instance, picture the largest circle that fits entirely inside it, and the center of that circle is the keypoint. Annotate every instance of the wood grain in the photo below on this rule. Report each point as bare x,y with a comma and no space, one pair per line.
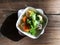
49,6
52,31
50,37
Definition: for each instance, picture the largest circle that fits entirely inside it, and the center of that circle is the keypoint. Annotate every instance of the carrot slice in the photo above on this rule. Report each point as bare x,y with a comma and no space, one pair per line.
26,28
24,19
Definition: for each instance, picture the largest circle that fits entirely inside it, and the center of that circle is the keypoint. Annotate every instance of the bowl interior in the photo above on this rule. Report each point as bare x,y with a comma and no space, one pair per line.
20,14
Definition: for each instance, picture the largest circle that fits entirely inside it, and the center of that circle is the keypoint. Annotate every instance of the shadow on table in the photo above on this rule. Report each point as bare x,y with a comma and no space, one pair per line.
8,28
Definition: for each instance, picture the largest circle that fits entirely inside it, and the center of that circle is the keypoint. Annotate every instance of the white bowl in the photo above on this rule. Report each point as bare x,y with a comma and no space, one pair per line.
20,15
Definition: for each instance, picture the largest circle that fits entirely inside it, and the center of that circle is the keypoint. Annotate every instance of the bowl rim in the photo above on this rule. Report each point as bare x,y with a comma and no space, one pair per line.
20,17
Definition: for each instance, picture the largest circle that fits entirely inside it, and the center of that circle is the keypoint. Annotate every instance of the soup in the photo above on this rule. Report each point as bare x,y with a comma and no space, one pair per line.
32,22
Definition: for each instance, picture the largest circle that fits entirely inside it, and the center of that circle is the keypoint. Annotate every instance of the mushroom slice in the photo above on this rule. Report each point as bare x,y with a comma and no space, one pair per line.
39,26
40,17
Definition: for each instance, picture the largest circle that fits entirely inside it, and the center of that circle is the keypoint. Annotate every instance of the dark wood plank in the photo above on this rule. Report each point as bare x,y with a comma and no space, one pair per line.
50,37
47,5
52,31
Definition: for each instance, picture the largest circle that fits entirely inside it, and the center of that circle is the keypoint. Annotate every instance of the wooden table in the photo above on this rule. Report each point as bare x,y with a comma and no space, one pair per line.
51,8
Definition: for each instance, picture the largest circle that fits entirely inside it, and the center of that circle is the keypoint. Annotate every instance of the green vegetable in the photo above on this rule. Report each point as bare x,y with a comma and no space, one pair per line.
29,21
34,20
33,31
